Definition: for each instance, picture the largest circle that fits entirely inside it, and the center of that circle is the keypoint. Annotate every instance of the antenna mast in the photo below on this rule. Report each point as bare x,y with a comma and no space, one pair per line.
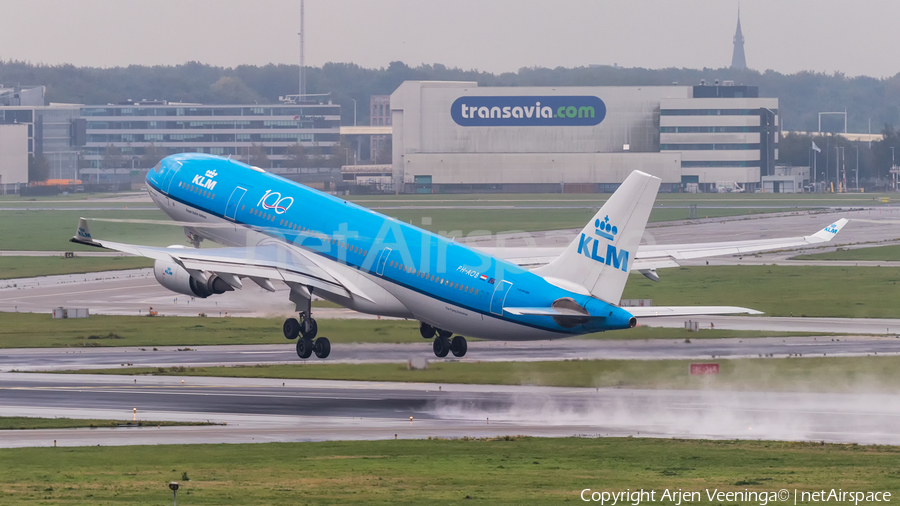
302,63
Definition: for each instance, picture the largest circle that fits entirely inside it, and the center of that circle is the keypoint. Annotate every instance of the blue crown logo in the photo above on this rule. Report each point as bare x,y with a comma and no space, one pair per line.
168,271
604,229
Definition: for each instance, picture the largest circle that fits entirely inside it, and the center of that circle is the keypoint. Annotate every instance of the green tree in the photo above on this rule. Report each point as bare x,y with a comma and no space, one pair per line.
113,158
385,152
38,168
258,157
231,90
152,155
296,156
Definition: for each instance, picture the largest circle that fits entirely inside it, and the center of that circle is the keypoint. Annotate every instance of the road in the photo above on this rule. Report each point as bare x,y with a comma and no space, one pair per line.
262,410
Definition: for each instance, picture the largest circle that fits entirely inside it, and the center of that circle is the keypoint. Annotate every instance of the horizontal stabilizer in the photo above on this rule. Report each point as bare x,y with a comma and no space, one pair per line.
654,311
547,311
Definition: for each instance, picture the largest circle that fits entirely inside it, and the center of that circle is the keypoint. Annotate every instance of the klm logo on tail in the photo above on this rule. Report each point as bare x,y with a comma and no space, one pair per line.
589,246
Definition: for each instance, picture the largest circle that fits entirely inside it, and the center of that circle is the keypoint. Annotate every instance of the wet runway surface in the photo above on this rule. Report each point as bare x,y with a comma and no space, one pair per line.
47,359
260,410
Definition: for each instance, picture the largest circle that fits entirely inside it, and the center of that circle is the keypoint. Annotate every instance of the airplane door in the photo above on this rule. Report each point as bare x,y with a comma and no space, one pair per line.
382,260
233,202
499,296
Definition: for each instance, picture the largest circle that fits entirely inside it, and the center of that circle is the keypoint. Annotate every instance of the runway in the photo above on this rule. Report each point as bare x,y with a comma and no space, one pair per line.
49,359
260,410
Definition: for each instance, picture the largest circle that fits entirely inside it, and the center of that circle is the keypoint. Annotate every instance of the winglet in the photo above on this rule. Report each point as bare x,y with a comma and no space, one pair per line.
828,233
83,234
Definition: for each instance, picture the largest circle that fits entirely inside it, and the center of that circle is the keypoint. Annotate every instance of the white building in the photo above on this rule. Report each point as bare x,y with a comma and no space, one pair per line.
13,157
456,136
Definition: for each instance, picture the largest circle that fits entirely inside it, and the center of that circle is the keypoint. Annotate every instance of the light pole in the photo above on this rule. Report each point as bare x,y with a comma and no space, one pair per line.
892,168
354,111
857,166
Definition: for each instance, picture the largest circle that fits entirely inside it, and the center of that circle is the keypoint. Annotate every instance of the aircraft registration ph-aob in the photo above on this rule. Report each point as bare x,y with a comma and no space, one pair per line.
273,230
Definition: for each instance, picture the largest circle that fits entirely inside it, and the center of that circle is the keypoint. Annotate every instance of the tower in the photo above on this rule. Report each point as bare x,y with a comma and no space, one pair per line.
737,58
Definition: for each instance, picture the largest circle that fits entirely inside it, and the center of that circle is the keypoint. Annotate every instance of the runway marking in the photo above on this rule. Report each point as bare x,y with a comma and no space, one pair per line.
83,291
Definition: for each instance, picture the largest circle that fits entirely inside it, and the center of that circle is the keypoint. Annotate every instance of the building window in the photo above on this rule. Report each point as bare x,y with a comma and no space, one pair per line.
707,147
712,112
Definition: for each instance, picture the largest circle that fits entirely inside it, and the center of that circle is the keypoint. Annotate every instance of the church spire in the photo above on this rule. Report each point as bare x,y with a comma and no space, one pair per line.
737,58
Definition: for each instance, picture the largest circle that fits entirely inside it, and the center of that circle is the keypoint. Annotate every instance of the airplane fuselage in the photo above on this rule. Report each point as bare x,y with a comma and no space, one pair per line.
406,272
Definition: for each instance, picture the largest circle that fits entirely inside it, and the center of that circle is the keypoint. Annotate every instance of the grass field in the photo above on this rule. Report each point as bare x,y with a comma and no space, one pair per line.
675,199
877,253
27,267
807,374
27,423
464,222
56,227
503,470
72,197
51,230
30,330
846,292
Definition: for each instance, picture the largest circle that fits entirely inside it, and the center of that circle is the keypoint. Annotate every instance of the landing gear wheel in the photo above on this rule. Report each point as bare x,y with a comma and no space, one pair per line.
309,328
443,333
322,347
441,347
426,330
291,328
304,347
458,346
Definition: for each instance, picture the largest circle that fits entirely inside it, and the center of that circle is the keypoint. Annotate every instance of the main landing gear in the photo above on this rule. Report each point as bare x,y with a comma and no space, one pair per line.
306,328
443,344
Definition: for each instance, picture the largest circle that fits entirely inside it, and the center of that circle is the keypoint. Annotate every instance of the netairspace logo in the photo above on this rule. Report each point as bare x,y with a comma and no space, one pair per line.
574,110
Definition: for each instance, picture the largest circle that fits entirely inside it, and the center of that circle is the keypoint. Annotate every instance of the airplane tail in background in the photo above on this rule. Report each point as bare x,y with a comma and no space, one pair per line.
598,261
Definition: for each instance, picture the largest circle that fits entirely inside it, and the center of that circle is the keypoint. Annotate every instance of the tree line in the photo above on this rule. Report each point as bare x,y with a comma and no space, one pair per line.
867,100
871,103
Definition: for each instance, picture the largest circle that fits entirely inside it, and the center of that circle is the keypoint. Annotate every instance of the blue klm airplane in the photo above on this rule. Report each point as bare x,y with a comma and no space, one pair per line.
273,229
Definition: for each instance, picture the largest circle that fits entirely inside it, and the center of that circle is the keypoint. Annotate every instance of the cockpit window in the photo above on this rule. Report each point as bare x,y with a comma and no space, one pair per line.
157,167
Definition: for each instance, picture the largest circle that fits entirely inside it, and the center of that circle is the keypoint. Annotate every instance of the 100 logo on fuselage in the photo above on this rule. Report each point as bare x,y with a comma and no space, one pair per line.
573,110
274,201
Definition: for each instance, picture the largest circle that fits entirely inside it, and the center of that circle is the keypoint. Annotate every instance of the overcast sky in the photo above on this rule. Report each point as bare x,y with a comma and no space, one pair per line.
857,37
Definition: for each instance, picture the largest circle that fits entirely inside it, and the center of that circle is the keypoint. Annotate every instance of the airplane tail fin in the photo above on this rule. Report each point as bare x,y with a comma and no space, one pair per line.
598,260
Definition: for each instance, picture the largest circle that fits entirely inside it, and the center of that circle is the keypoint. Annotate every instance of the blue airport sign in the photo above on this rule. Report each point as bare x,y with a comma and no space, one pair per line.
562,110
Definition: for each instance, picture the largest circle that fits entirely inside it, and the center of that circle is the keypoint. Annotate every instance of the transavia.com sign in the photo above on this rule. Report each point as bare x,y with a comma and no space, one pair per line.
528,111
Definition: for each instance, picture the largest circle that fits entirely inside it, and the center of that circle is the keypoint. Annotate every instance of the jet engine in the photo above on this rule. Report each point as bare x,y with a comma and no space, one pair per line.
176,278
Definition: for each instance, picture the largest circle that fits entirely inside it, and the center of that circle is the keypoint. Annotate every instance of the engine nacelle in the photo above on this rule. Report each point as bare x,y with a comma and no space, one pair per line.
176,278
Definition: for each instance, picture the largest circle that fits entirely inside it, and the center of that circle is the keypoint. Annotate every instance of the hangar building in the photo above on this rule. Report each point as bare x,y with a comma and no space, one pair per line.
459,137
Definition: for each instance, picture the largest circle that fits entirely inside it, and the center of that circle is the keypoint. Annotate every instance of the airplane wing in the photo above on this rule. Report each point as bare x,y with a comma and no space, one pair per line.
639,312
658,256
263,263
653,311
